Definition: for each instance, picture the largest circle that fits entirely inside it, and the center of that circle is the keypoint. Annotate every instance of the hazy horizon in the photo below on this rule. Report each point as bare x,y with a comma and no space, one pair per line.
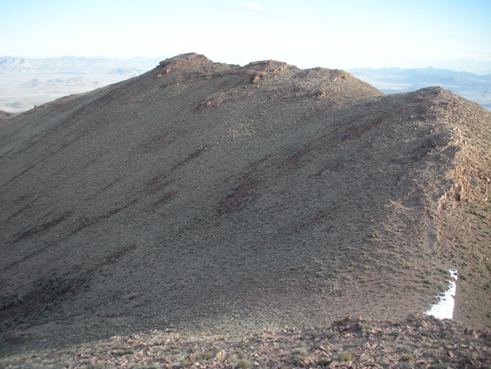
356,34
163,57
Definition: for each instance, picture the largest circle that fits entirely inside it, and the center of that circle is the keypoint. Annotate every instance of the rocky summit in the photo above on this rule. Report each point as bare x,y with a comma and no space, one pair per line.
203,195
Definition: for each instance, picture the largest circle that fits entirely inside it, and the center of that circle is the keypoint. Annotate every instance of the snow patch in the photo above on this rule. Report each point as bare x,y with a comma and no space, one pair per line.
444,308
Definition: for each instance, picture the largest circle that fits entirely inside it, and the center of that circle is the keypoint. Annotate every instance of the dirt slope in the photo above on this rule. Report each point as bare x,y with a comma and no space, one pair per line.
203,194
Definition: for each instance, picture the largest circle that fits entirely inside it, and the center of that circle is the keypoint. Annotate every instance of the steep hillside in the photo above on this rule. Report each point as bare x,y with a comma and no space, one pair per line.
205,195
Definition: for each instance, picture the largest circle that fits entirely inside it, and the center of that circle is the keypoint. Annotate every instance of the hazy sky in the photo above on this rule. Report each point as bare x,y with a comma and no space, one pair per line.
343,34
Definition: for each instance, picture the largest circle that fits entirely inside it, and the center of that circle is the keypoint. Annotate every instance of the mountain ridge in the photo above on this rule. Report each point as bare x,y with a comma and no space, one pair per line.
214,195
15,72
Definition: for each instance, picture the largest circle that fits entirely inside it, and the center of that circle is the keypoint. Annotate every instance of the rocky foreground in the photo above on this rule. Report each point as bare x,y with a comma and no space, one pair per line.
349,343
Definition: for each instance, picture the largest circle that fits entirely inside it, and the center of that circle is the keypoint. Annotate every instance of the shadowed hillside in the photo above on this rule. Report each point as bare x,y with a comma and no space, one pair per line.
202,194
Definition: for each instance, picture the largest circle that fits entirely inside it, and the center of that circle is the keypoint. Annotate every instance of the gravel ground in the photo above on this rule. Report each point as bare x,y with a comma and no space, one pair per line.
348,343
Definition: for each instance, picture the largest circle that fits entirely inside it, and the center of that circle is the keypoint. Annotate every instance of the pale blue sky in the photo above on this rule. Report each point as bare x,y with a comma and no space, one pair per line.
453,34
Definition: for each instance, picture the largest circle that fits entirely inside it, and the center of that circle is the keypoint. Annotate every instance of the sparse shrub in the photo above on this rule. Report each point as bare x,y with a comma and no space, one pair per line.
300,351
189,359
408,357
324,362
205,356
346,356
405,348
186,362
122,352
298,356
243,364
445,335
298,360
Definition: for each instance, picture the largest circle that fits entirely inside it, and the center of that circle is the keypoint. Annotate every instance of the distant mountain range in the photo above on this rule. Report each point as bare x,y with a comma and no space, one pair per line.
60,83
76,65
475,87
25,83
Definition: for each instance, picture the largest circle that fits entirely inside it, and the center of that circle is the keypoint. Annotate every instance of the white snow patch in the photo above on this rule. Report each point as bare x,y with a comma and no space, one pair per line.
444,308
